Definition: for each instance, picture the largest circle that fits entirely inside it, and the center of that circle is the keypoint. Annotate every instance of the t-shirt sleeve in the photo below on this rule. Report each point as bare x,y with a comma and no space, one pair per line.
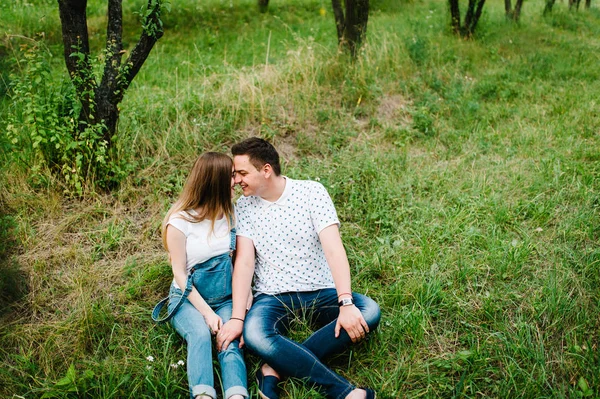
322,210
243,224
180,224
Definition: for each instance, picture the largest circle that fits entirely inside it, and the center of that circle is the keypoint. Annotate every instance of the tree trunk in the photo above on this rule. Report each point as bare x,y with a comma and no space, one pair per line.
351,23
474,11
355,28
338,13
517,10
549,5
73,20
106,100
263,5
100,102
508,9
588,3
454,16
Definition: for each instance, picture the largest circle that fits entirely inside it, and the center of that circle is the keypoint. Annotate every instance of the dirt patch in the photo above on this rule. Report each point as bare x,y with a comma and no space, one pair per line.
393,110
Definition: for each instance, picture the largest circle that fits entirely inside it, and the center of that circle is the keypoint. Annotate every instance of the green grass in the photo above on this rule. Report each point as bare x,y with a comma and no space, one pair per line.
465,174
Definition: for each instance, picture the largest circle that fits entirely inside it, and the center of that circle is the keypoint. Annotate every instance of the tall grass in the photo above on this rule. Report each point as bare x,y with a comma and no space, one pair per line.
465,173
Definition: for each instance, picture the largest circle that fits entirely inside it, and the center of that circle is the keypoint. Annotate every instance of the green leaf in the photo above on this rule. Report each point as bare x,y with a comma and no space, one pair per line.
582,384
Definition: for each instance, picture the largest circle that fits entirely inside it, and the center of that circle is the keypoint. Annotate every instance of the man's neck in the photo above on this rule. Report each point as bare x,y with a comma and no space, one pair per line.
275,189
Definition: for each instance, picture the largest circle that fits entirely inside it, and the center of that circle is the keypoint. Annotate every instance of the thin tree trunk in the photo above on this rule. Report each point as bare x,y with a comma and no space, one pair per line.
508,9
106,100
355,28
517,10
474,11
263,5
475,20
73,19
454,15
588,3
351,22
549,5
340,21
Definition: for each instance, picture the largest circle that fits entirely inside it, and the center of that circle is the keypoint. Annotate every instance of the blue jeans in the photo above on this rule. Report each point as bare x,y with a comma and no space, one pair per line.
269,318
190,324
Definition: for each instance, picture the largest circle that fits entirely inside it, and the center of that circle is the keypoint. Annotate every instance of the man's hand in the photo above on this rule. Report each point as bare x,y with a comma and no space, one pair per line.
351,320
228,333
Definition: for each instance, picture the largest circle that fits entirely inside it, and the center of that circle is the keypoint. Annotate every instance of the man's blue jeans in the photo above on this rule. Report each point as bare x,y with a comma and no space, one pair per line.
269,319
190,324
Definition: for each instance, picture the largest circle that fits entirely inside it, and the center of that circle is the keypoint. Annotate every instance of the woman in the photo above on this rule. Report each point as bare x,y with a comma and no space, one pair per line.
199,234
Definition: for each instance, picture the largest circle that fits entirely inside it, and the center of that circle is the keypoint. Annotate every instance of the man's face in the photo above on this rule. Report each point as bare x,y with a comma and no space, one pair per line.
247,176
232,182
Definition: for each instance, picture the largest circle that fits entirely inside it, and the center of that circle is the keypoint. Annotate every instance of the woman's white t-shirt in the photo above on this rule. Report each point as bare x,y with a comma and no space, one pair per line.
201,244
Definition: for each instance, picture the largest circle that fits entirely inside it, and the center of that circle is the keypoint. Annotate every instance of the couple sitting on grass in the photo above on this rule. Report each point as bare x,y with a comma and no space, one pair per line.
288,243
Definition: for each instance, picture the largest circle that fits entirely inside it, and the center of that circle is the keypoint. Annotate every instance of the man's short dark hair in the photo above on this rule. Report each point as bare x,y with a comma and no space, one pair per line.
260,152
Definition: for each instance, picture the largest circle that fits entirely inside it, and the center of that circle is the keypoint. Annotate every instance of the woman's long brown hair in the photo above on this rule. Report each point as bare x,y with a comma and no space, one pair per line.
207,190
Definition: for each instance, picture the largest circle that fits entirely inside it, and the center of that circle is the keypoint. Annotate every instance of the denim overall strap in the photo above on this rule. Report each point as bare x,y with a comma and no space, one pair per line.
188,286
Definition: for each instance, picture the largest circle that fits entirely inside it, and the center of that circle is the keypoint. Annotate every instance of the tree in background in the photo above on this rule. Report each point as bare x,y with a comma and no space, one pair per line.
576,3
513,14
99,100
548,7
351,23
263,5
474,10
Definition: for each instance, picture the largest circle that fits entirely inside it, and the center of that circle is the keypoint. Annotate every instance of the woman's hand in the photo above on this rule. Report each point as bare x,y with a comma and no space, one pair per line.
214,322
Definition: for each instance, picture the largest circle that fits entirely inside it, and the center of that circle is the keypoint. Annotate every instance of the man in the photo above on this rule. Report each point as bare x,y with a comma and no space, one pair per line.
288,240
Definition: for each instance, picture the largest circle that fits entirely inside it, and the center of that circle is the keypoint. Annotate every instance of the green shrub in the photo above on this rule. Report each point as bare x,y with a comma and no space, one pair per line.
44,136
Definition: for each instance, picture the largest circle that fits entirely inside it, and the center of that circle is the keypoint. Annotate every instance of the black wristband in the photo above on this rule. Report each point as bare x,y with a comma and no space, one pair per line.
236,318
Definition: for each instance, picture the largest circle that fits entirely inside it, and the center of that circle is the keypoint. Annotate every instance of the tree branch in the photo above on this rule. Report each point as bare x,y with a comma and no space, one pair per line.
114,47
152,31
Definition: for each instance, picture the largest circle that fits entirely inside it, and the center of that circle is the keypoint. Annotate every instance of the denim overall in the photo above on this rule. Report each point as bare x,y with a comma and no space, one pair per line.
212,279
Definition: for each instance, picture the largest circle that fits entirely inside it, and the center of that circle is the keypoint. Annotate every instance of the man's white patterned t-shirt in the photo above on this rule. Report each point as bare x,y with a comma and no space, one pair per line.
285,233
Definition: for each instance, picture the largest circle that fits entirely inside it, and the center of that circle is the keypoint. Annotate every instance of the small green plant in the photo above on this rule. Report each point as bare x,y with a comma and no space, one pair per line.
43,134
71,385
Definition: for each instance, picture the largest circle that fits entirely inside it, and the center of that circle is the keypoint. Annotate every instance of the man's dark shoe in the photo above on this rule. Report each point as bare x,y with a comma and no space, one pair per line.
370,393
267,385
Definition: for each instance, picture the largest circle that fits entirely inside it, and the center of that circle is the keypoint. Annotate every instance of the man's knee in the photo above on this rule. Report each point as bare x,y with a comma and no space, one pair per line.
255,335
370,311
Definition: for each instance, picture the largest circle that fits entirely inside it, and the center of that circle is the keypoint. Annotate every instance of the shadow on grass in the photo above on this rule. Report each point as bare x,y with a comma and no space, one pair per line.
13,286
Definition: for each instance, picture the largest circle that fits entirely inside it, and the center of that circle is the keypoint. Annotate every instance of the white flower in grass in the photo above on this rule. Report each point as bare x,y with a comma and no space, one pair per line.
150,358
148,367
181,363
174,366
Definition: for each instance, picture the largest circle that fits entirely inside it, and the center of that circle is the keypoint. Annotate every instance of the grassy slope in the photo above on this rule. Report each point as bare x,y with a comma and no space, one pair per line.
465,174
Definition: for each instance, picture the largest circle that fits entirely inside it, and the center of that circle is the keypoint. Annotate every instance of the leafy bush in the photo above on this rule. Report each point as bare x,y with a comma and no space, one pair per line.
44,135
